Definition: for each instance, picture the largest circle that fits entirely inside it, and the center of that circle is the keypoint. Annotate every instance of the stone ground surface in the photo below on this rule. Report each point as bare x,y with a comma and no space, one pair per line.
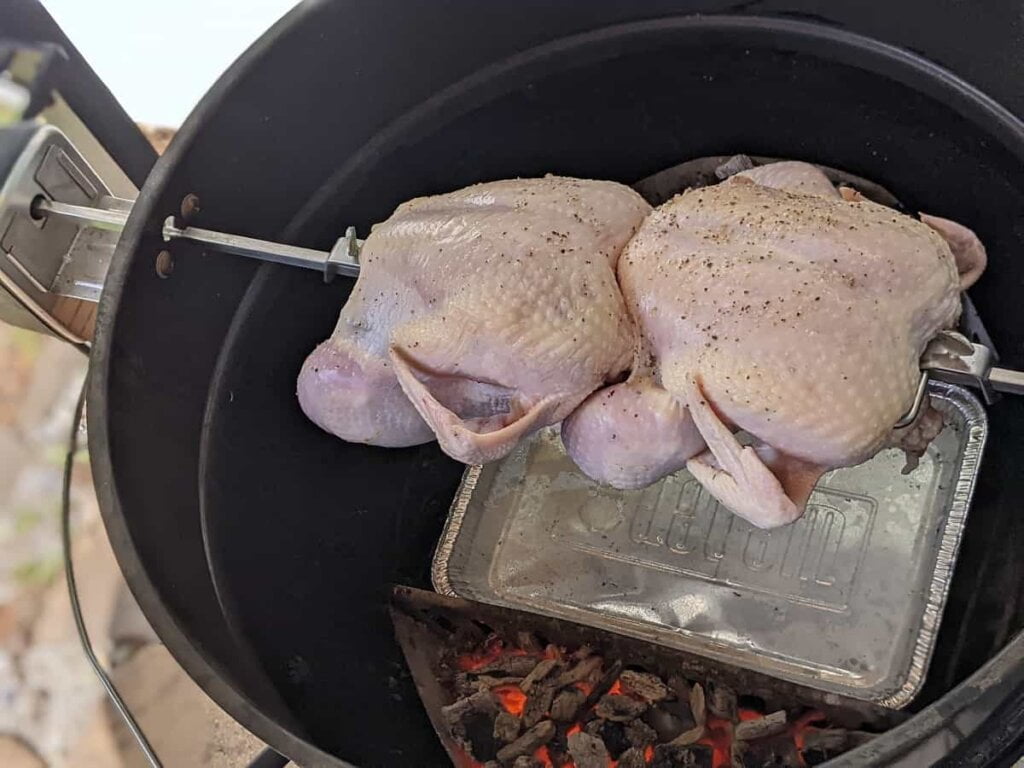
53,713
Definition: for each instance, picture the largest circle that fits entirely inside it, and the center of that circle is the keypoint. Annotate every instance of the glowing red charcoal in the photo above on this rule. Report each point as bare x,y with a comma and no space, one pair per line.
490,653
511,698
801,725
778,742
718,736
463,760
544,757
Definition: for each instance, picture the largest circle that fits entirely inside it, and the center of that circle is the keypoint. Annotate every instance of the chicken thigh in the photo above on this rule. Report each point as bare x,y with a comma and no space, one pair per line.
774,305
479,316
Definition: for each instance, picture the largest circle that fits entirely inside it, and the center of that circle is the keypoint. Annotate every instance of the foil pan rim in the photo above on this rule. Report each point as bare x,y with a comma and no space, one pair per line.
954,526
439,575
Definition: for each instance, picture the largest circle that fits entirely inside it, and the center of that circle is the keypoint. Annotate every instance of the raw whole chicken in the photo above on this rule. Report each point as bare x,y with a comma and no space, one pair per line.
479,316
772,304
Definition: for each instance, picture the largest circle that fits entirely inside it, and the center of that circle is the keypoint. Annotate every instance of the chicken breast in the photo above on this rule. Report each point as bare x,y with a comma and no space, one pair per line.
478,317
773,305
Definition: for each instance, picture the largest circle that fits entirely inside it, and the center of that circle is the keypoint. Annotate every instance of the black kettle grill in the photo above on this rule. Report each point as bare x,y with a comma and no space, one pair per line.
263,550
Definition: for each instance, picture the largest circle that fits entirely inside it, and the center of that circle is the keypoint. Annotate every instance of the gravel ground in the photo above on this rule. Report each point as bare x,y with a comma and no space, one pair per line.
52,710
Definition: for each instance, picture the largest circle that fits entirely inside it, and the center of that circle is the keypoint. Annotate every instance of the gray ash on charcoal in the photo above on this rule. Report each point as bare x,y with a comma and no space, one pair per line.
645,686
471,721
588,751
611,733
565,707
507,727
538,705
761,727
535,705
620,707
527,744
633,758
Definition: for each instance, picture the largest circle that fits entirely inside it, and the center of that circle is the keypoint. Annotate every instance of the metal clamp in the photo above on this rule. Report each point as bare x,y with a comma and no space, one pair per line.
343,256
952,358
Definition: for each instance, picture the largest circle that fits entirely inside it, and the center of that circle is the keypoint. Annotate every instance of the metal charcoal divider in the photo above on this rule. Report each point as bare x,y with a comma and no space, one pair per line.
432,629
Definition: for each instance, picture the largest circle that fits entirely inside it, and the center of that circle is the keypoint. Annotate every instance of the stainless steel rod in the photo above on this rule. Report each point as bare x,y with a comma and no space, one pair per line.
98,218
1007,381
238,245
910,416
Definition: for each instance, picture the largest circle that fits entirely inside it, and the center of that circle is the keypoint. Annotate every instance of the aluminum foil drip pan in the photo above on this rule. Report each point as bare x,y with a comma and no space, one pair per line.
848,599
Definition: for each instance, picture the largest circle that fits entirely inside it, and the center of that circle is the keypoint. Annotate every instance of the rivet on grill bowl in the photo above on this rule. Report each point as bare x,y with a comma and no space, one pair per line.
164,264
189,206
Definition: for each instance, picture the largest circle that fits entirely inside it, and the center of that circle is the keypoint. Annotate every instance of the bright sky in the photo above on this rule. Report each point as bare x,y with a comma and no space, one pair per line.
159,58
